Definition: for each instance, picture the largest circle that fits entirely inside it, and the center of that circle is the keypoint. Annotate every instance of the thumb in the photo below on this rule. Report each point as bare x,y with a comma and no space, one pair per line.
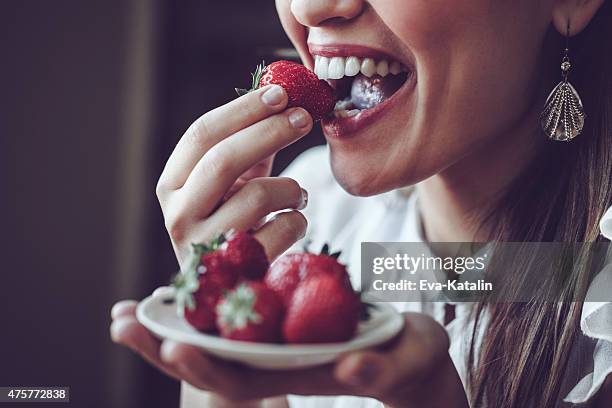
414,354
370,372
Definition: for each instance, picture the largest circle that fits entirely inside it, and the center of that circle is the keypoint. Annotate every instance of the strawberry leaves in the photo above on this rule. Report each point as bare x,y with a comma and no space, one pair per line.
187,282
255,78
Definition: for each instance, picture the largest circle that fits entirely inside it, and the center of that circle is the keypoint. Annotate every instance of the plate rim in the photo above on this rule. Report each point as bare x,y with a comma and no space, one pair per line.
392,326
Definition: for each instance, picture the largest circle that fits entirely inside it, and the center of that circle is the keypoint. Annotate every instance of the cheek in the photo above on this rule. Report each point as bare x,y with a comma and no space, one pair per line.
420,24
476,62
477,68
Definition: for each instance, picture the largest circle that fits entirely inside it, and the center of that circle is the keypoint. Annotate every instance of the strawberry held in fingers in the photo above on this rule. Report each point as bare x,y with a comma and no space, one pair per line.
250,312
322,310
200,287
246,255
303,87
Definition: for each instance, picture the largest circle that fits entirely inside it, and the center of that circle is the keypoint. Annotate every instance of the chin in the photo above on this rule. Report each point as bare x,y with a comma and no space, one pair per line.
358,180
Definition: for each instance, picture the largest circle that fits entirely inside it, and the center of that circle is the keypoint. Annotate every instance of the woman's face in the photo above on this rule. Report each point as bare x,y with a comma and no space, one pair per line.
469,73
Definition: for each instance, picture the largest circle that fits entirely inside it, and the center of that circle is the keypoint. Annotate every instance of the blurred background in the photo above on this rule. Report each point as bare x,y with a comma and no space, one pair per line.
94,95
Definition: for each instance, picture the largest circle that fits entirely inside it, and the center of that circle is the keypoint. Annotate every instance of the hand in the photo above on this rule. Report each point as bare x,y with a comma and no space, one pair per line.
414,370
216,178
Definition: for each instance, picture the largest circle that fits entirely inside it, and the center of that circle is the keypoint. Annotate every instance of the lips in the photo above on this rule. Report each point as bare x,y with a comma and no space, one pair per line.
365,80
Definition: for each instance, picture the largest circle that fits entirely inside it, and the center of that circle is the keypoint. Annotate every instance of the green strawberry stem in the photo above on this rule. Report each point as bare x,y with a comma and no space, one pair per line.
325,250
238,308
255,77
187,282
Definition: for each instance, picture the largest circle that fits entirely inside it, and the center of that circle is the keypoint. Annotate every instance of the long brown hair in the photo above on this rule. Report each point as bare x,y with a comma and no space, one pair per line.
523,355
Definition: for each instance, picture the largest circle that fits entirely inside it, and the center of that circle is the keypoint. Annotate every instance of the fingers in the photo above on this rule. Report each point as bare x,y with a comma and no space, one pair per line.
261,169
126,330
124,308
310,381
164,291
214,126
282,231
254,201
363,370
228,379
226,161
191,364
207,372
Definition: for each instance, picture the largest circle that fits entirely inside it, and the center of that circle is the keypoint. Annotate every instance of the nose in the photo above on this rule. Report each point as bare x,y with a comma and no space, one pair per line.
312,13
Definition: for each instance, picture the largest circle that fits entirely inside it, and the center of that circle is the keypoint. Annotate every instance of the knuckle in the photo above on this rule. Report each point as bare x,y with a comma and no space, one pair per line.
218,161
257,193
176,226
161,189
250,106
293,186
276,127
175,230
196,133
293,224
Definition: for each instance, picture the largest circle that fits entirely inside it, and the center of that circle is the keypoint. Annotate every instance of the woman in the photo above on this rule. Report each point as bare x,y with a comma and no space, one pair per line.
461,124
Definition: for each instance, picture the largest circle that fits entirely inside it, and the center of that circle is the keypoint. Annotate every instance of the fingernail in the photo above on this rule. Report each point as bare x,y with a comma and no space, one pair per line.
304,201
298,119
273,96
166,291
115,330
167,350
114,336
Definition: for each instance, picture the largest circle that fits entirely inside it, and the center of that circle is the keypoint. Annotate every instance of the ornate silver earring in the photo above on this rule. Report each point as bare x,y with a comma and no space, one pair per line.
563,115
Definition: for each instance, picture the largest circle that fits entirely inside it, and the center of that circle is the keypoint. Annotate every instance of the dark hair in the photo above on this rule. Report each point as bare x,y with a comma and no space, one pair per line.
560,198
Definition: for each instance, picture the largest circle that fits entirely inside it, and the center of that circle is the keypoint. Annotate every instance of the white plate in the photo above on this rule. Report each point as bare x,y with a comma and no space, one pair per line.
162,320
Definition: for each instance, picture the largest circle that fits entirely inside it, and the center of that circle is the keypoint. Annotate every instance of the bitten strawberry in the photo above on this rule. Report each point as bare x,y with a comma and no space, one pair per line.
304,88
322,310
200,287
251,312
286,273
246,255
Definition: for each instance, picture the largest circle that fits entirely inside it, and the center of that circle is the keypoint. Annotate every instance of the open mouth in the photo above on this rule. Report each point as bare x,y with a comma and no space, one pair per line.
360,83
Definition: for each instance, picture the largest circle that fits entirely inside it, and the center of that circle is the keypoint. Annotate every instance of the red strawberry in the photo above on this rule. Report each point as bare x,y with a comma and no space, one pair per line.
251,312
203,316
322,310
200,287
286,273
303,87
215,268
246,255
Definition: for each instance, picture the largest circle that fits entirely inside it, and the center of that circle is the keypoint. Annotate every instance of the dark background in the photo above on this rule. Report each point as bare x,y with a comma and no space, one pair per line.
94,95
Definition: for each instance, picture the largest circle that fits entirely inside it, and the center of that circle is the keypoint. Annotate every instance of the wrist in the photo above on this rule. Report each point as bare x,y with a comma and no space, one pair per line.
192,397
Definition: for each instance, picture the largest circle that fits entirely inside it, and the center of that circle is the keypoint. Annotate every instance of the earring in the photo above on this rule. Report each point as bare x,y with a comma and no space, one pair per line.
563,115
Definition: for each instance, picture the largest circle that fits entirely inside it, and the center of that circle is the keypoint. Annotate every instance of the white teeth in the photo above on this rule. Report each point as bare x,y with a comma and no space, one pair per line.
382,68
339,67
343,104
395,68
353,65
346,113
368,67
336,68
322,67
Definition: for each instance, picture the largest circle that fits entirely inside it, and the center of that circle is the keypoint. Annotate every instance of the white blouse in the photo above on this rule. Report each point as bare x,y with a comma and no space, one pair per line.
345,221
